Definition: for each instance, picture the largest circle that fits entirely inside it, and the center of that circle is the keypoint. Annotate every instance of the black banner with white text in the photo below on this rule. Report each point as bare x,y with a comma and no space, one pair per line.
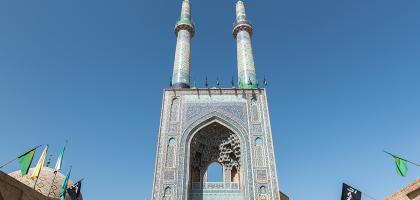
349,193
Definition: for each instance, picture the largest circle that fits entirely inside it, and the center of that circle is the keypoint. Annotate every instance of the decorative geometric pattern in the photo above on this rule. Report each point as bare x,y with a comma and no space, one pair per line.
242,32
173,128
45,184
240,11
262,174
245,57
181,72
215,143
186,10
169,175
184,30
259,152
256,129
231,109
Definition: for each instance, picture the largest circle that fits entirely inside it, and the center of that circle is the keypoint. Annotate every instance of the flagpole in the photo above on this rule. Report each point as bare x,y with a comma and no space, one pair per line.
418,165
52,183
36,180
8,163
65,186
18,157
37,177
57,167
79,188
40,170
364,194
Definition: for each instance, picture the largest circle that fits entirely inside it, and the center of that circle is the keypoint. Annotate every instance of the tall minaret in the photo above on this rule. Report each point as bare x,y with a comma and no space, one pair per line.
184,30
243,32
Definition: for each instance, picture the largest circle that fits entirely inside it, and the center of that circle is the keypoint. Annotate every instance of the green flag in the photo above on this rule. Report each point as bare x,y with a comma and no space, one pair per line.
25,161
64,186
401,166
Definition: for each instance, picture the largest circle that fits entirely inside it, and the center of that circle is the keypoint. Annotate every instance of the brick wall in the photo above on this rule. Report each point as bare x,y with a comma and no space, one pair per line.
410,192
11,189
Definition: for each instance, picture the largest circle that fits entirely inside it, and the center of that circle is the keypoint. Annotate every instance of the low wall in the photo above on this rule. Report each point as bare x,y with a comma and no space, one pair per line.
11,189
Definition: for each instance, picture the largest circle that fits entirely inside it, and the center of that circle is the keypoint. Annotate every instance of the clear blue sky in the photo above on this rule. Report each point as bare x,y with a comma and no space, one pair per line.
344,84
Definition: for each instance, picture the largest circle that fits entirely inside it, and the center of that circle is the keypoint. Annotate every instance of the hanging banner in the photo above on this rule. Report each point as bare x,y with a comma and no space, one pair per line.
349,193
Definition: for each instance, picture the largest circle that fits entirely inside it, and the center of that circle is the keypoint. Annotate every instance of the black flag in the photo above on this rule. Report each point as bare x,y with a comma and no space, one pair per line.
74,191
349,193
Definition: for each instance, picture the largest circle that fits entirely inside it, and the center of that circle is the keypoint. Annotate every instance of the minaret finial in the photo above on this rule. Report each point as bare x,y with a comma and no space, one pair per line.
184,30
243,32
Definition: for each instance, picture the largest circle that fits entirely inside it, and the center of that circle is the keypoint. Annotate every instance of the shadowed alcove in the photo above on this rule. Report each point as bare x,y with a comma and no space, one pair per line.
215,157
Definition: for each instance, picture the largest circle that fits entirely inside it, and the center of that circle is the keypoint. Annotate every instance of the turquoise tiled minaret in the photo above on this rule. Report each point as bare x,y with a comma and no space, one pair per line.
200,127
184,30
243,33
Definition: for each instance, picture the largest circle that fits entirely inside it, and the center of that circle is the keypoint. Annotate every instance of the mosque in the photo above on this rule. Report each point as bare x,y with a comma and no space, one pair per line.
226,127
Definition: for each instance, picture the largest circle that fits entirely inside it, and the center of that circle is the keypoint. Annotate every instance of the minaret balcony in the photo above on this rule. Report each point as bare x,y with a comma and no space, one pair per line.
242,26
185,25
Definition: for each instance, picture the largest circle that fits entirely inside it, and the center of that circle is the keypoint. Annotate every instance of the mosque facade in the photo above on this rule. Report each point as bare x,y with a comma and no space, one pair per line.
229,127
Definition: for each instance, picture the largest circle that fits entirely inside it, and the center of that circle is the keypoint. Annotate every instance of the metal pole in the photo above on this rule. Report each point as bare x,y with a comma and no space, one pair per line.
52,183
418,165
8,163
364,194
18,157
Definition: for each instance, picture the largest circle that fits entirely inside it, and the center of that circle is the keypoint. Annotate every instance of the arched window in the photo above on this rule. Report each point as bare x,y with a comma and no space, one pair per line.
174,110
234,175
215,172
263,190
167,195
170,153
259,152
172,142
254,109
259,141
168,192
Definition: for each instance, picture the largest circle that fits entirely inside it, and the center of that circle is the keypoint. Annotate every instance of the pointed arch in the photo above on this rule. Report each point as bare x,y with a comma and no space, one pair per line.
214,172
191,130
234,175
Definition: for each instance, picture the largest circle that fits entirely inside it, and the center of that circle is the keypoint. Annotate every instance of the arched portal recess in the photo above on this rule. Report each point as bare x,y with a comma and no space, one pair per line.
215,144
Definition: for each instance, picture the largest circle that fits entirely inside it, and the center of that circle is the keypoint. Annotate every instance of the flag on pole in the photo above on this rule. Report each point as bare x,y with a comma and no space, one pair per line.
25,161
401,166
74,191
64,186
40,164
60,158
349,193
